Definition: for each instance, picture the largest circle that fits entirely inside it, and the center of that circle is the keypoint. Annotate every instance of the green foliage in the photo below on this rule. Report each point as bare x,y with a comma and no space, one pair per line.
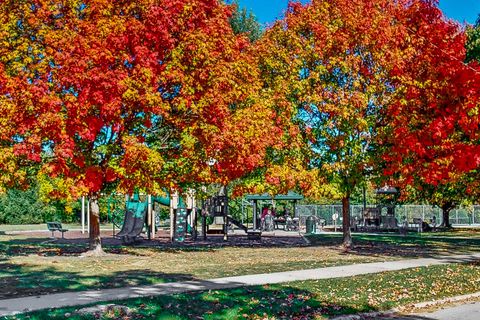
473,42
243,21
25,207
163,213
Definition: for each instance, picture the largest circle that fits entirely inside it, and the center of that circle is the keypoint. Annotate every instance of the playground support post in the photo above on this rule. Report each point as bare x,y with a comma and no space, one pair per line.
173,208
204,226
254,214
194,223
150,232
152,223
172,216
224,192
192,217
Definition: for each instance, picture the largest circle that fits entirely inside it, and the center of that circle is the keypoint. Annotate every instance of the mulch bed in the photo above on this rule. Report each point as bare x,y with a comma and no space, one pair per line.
162,239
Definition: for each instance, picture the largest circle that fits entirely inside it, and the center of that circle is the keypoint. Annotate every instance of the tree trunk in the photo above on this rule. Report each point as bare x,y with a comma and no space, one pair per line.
95,240
446,208
347,236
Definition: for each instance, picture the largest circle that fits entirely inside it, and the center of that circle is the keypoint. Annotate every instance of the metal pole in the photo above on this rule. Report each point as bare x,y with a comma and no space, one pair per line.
83,215
364,198
243,213
151,233
333,212
225,214
171,221
194,222
173,207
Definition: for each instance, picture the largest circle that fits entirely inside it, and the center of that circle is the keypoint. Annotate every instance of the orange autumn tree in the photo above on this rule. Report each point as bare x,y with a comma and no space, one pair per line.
327,60
104,95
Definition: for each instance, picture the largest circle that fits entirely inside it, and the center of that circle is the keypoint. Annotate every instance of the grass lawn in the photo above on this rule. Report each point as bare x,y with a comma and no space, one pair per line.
30,267
424,244
458,232
301,300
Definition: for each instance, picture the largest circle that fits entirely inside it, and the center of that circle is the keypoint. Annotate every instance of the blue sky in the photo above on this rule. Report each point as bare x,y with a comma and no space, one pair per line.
268,10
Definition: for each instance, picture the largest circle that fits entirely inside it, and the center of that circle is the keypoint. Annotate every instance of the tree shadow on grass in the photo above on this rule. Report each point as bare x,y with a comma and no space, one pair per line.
398,246
23,280
54,247
38,246
259,302
45,246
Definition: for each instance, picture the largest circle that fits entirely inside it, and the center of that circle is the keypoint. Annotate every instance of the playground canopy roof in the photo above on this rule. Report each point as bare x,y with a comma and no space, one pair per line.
289,196
387,190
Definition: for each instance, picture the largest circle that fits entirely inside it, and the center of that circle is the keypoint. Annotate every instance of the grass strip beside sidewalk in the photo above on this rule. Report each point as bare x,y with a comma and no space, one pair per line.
301,300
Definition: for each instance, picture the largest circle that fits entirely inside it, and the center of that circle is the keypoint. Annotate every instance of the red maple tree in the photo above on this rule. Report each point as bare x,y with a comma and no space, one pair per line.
433,120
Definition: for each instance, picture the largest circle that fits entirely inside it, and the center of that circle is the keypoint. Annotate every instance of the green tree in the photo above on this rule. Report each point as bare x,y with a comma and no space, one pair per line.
446,196
245,22
473,42
27,207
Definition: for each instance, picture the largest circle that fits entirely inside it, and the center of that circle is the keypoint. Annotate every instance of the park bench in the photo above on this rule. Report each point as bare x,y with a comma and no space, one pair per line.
56,226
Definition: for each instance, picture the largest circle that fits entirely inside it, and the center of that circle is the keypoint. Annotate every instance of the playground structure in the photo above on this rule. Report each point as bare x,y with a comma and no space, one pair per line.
373,218
269,220
134,214
131,216
263,218
140,213
384,215
217,208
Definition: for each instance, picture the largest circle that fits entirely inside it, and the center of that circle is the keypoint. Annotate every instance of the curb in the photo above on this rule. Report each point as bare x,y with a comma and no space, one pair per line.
422,305
395,311
362,316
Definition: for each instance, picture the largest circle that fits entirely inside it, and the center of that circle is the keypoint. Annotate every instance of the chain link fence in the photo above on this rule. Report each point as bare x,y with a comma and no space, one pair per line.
462,216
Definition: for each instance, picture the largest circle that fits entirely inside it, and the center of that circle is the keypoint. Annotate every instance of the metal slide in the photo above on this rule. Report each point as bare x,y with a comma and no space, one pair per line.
135,216
237,223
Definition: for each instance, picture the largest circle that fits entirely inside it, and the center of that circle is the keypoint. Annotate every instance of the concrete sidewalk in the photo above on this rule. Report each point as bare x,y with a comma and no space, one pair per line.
20,305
